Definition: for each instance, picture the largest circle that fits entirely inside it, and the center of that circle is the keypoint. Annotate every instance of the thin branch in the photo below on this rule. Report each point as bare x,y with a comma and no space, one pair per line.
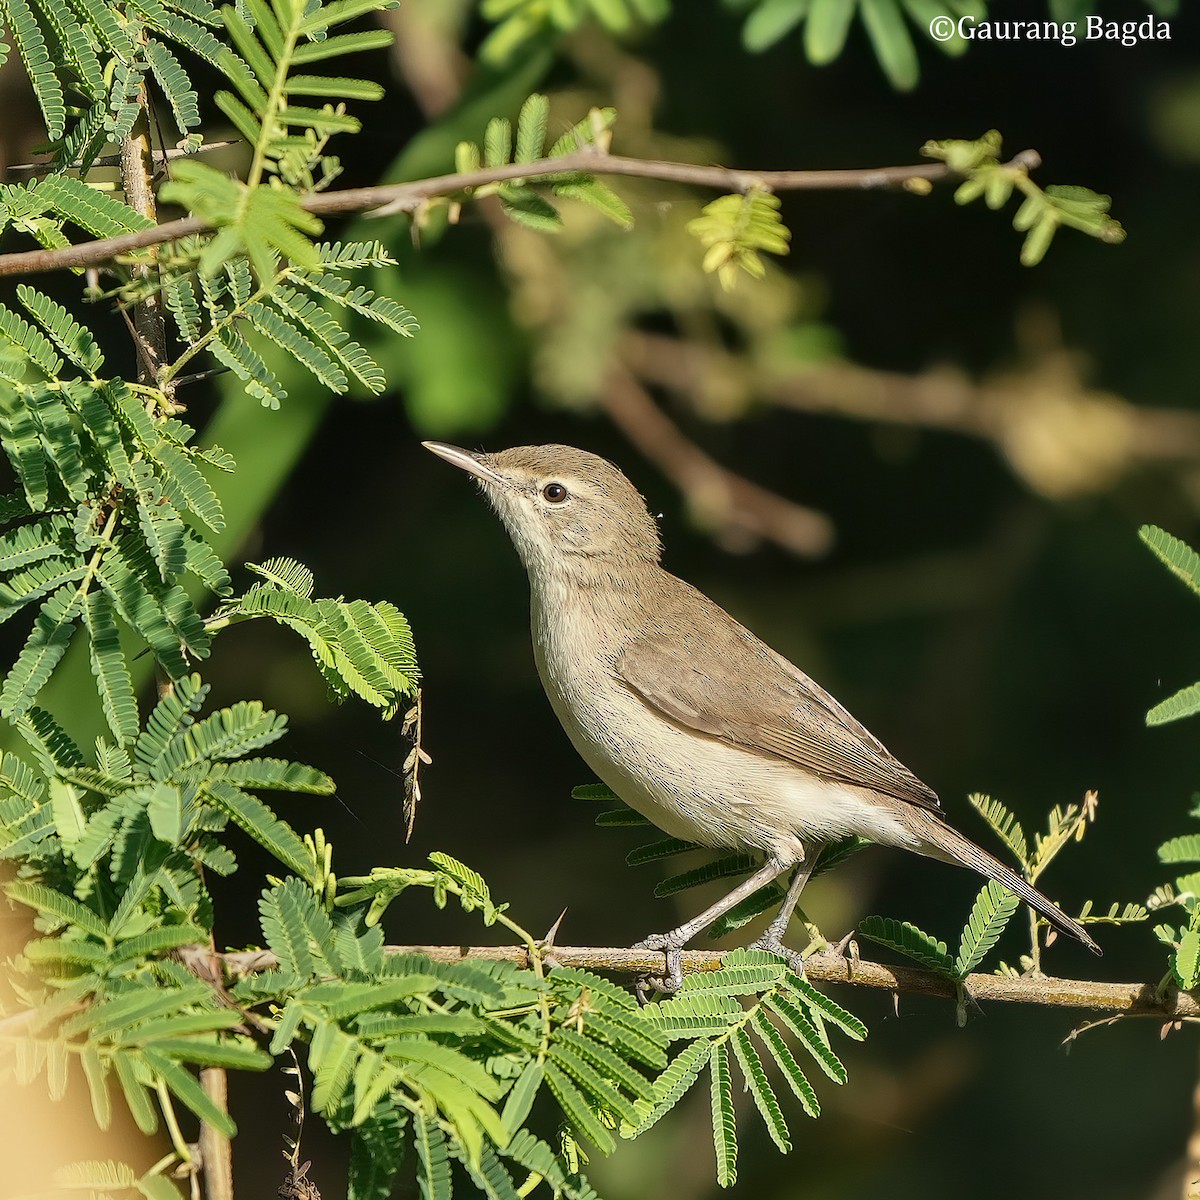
216,1154
409,197
114,160
150,337
1132,999
1049,402
149,327
742,511
216,1151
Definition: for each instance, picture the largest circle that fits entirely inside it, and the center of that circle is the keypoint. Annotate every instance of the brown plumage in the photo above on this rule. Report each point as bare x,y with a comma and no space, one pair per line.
683,712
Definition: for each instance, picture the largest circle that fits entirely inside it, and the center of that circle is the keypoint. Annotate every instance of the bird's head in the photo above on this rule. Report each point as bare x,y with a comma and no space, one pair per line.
566,510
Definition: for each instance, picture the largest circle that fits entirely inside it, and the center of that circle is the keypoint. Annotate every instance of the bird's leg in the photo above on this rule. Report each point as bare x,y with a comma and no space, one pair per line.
771,939
672,943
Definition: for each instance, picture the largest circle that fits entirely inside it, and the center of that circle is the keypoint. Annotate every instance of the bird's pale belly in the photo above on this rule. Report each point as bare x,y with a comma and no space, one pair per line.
701,789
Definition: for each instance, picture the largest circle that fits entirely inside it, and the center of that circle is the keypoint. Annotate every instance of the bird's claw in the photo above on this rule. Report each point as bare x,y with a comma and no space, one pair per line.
772,945
672,979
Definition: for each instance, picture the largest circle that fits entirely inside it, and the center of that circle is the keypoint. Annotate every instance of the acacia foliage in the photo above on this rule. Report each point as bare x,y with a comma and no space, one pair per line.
109,542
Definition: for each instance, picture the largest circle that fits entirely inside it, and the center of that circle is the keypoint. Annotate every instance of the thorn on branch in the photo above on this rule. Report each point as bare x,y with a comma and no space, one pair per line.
1131,999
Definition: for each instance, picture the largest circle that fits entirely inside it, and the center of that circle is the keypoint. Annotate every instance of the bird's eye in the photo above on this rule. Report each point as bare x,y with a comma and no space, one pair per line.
555,493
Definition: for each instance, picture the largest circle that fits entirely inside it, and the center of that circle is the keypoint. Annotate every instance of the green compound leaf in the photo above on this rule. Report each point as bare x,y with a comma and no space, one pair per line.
810,1037
760,1089
600,1092
781,1052
68,335
736,230
1186,961
828,1009
892,42
581,1116
274,835
64,910
100,213
670,1087
722,868
433,1161
826,30
1005,825
1177,556
905,938
519,1102
109,669
991,912
1184,703
1180,849
23,26
724,1123
44,649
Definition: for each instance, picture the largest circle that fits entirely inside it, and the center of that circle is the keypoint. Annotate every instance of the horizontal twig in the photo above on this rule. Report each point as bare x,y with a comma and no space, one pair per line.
114,160
1132,999
410,196
1082,438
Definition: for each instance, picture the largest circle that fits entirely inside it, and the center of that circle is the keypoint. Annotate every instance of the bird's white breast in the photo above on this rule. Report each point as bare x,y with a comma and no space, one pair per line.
692,786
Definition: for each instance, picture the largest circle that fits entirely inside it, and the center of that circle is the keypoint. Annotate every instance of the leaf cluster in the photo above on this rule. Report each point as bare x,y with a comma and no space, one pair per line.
825,26
1184,563
114,511
428,1062
113,858
88,60
518,197
1042,212
750,1013
269,40
523,24
42,207
359,647
995,905
105,525
105,1179
1182,937
736,230
301,311
443,1063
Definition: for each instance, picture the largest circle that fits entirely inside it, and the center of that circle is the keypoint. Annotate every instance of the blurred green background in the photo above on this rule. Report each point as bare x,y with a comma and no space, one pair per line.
985,606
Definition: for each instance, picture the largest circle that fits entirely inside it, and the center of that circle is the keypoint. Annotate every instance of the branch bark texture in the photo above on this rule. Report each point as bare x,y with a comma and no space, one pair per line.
1132,999
410,196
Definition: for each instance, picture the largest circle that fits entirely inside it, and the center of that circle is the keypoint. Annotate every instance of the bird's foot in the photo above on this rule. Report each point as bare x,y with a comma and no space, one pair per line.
770,942
671,980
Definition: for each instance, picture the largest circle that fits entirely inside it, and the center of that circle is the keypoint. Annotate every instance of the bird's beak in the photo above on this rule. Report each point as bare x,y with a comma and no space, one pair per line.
466,460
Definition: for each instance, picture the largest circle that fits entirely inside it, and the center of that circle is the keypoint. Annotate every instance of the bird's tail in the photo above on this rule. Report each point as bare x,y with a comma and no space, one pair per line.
941,841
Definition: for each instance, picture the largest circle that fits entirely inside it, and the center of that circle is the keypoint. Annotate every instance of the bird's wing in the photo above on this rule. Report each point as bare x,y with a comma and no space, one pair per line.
768,705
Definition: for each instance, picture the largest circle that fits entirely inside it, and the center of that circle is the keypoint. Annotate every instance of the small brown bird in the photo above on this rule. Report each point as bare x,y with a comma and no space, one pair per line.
684,713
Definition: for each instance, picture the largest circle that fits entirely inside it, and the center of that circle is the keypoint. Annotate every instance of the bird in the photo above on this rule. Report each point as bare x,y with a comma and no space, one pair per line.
686,715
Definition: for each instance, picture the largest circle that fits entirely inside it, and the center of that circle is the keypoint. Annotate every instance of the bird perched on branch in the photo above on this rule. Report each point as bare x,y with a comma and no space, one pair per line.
687,716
